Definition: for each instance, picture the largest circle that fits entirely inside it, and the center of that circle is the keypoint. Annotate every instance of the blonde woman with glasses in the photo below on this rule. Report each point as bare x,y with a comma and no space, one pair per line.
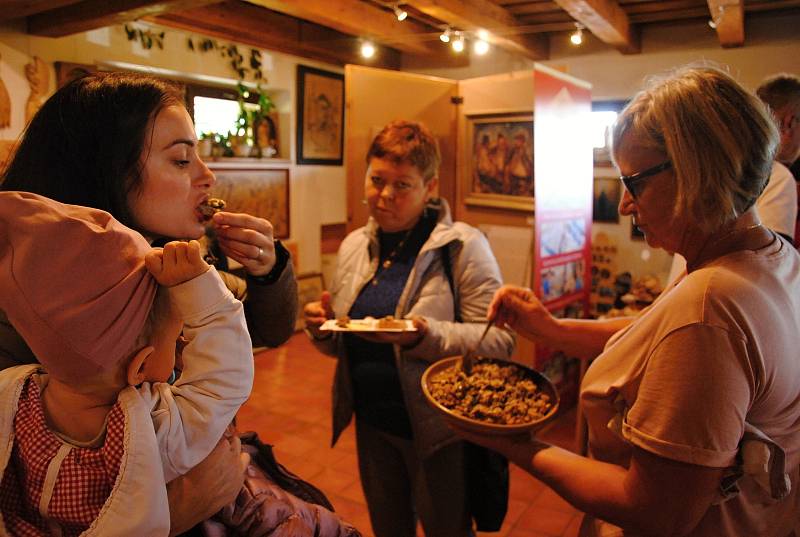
692,406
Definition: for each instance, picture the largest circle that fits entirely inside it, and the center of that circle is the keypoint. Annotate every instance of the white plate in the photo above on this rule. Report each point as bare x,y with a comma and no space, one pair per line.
366,325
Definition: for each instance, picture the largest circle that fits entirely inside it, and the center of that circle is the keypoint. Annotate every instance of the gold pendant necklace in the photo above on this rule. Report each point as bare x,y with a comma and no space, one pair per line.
389,261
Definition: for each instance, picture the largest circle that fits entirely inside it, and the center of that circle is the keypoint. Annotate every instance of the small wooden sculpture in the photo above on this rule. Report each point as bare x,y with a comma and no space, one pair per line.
38,76
5,106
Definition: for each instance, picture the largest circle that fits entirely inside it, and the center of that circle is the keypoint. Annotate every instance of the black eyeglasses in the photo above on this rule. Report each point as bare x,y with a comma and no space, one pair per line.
633,183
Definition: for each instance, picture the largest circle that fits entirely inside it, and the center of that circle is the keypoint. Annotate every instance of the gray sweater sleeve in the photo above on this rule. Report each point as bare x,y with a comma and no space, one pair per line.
270,308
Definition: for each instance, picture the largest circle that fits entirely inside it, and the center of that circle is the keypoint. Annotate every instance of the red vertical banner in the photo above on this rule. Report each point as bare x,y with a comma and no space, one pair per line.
563,201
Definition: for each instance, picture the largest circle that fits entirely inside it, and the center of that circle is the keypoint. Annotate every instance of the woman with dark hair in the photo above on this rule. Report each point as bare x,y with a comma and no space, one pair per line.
124,143
693,405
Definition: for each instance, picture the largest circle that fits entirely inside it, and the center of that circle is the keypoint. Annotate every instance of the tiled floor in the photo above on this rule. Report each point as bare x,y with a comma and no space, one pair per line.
290,408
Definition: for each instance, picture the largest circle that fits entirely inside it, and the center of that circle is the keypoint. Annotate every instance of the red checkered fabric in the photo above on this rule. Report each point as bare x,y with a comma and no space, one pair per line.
85,478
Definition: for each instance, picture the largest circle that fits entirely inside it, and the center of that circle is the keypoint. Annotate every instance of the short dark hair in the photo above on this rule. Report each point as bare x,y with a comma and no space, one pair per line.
85,145
780,91
407,142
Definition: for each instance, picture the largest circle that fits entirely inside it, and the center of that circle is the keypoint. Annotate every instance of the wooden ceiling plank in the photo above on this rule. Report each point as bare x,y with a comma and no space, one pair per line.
360,19
92,14
534,7
728,17
474,15
606,20
662,6
245,23
671,16
16,9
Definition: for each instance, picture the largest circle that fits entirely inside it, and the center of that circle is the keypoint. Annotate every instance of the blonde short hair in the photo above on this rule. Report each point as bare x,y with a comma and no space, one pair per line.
409,142
719,137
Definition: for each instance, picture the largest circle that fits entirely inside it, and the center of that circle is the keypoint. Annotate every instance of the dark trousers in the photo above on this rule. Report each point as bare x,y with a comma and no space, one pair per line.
399,487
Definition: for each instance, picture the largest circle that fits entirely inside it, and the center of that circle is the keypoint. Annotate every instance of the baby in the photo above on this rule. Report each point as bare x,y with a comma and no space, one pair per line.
94,433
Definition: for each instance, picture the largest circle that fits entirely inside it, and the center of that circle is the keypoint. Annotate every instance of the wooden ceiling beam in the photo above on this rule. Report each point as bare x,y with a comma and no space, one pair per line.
606,20
259,27
474,15
16,9
361,19
728,19
92,14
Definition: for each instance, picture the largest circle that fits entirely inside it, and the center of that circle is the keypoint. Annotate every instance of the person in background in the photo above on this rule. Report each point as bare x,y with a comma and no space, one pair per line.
124,143
782,94
97,430
693,405
410,261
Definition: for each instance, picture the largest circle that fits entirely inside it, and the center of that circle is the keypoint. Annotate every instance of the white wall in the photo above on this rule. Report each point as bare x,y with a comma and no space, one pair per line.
317,193
772,45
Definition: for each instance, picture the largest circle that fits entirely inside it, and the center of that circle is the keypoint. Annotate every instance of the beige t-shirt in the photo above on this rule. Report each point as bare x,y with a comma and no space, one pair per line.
719,347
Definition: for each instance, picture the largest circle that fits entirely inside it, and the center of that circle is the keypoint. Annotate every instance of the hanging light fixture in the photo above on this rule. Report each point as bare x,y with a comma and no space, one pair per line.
445,36
458,43
367,49
576,37
400,13
480,47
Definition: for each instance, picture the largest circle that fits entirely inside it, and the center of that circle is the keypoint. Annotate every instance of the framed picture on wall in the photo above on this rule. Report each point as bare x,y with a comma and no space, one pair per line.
259,192
320,116
499,161
607,193
309,289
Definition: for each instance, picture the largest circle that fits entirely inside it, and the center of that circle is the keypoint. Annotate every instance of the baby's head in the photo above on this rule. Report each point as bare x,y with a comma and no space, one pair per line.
74,285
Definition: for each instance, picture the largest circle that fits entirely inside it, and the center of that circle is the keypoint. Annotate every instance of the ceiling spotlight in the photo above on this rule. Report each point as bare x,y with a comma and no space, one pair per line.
483,35
576,37
367,49
480,47
445,36
458,42
401,14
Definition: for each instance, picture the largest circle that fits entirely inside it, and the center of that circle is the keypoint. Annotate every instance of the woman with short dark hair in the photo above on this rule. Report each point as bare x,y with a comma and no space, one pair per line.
410,261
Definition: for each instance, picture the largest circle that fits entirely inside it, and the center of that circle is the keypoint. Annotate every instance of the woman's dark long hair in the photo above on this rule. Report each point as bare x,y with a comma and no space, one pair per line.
85,145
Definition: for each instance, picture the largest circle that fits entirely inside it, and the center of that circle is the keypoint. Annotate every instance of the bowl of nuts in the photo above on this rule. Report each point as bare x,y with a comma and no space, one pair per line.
498,397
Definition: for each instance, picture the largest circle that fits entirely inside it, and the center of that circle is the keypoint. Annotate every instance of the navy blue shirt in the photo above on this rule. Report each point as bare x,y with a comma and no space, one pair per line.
376,383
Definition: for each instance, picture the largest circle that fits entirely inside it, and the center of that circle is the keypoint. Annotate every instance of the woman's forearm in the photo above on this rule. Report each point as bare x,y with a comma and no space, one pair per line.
582,338
591,486
653,496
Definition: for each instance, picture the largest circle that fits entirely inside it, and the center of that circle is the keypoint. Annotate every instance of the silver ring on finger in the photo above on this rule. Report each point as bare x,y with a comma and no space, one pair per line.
260,253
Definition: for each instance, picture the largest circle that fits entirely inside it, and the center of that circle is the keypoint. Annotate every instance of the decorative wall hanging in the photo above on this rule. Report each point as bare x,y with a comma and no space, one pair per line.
320,116
38,74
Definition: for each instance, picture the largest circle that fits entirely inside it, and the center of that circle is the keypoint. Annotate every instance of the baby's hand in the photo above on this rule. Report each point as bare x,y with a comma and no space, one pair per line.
176,263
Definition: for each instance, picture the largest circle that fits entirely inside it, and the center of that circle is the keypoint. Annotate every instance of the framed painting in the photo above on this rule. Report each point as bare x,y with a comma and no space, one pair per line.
259,192
607,193
309,289
499,161
320,116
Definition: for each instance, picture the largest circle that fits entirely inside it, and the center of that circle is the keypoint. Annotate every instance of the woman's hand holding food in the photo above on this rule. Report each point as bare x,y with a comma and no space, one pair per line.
406,339
247,239
519,309
517,448
316,313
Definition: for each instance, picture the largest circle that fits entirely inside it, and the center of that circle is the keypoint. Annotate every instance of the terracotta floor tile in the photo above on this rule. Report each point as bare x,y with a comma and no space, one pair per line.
517,532
546,521
550,500
290,407
524,486
574,526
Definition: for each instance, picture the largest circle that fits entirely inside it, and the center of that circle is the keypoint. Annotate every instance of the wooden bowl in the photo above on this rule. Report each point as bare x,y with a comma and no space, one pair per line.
486,427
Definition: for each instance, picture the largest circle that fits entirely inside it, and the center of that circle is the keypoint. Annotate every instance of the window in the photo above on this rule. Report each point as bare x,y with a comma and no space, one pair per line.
215,109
